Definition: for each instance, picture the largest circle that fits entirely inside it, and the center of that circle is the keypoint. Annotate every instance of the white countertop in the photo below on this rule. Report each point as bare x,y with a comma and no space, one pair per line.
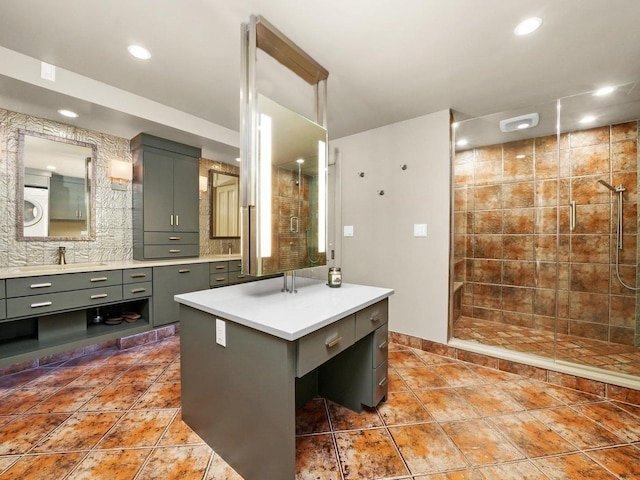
262,306
36,270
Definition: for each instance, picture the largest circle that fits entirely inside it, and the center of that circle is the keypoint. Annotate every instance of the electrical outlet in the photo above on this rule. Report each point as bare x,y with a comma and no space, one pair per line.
420,230
348,230
221,332
47,71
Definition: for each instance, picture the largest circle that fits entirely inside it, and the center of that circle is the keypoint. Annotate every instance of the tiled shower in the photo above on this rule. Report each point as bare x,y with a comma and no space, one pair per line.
506,221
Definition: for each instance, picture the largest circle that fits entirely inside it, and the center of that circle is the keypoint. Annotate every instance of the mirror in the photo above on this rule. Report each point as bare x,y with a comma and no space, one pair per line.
287,228
225,207
56,189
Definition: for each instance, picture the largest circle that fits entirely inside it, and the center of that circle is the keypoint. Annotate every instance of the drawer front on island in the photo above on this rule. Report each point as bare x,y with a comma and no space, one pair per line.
22,287
371,317
318,347
36,305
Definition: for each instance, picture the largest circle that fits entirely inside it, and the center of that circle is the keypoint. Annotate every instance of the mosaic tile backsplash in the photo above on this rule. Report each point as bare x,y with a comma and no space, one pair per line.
113,236
505,232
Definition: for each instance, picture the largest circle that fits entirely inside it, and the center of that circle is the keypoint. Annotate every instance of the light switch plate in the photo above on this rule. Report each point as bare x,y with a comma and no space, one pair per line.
420,230
221,332
47,71
348,230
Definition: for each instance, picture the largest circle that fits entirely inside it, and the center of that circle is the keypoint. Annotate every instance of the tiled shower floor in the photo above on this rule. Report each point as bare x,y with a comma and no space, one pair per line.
116,415
596,353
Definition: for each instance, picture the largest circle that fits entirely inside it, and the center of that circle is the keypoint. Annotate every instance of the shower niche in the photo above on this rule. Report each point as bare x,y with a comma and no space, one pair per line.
545,231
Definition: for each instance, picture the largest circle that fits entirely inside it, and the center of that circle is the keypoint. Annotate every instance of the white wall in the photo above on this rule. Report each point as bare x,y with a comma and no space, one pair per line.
383,251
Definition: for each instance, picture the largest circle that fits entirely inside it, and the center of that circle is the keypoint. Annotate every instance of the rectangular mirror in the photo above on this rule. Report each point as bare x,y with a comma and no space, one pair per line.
56,188
224,196
287,226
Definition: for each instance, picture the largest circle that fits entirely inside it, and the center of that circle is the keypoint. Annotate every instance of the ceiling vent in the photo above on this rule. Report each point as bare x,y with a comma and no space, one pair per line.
522,122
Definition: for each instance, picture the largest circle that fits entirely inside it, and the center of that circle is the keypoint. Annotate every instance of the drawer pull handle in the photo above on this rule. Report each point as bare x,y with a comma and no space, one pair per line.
40,285
139,275
174,238
241,276
382,382
184,270
174,250
333,342
383,345
138,290
99,279
219,267
220,279
375,317
99,295
41,304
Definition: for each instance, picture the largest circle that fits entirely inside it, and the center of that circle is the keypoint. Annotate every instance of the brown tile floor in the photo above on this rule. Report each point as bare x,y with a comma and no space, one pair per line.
612,357
116,415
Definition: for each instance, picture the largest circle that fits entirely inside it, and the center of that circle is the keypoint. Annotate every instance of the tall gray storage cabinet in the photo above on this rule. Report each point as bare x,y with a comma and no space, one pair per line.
165,198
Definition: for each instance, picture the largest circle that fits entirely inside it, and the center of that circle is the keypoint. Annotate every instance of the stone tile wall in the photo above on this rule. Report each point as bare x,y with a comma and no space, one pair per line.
506,219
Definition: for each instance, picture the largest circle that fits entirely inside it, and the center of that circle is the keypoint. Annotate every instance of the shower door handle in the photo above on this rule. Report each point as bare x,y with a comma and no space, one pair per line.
572,216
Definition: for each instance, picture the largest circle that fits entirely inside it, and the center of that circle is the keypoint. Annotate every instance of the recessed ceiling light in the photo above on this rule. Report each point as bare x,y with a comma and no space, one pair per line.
604,91
588,119
522,126
51,167
455,124
520,156
139,52
238,159
68,113
462,142
528,26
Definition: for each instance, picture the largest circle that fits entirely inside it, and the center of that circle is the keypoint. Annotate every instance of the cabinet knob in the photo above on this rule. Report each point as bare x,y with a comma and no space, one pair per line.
375,317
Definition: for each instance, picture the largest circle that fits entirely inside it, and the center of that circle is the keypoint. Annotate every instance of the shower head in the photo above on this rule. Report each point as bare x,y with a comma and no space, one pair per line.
609,186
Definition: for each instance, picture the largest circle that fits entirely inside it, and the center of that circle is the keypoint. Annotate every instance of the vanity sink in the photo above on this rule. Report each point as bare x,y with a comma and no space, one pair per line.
55,268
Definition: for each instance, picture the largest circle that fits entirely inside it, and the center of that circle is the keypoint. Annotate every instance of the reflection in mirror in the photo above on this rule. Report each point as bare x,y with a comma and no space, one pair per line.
55,188
287,228
225,206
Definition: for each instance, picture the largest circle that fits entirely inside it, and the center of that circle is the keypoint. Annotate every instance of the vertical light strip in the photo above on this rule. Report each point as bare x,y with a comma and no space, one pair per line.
322,196
264,205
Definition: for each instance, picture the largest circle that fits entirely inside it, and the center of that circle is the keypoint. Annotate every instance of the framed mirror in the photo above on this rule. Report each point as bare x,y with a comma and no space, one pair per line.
224,196
56,188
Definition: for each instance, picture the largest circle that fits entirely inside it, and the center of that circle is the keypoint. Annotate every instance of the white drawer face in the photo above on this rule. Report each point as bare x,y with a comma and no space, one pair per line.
371,317
319,346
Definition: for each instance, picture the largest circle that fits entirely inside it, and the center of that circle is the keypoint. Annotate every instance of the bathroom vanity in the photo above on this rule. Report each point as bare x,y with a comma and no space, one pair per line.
49,309
251,354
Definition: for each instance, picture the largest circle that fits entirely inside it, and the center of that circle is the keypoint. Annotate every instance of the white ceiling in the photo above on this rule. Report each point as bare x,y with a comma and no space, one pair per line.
388,60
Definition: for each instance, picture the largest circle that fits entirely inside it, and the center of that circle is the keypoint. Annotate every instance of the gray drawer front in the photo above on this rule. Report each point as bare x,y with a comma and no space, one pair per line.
135,290
371,317
37,305
380,383
171,251
22,287
171,238
217,279
2,290
137,275
380,345
235,265
219,267
3,309
318,347
238,277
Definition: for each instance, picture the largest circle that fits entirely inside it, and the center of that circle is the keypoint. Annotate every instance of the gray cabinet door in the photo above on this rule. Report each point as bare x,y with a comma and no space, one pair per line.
174,280
185,194
158,190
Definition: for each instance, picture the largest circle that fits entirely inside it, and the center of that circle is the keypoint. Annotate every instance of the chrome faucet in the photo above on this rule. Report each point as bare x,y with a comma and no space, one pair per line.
61,255
229,247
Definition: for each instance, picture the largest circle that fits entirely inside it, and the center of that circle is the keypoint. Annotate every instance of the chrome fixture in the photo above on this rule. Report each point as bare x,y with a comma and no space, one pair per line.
62,255
620,189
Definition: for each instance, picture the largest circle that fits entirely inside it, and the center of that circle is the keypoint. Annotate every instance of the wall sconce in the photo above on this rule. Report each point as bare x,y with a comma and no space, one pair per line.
120,173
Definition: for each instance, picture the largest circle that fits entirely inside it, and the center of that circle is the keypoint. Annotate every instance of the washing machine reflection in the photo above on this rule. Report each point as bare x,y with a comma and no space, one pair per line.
36,212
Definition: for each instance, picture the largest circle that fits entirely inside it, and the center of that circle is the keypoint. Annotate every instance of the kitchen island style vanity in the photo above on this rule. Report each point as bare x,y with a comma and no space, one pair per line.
251,355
